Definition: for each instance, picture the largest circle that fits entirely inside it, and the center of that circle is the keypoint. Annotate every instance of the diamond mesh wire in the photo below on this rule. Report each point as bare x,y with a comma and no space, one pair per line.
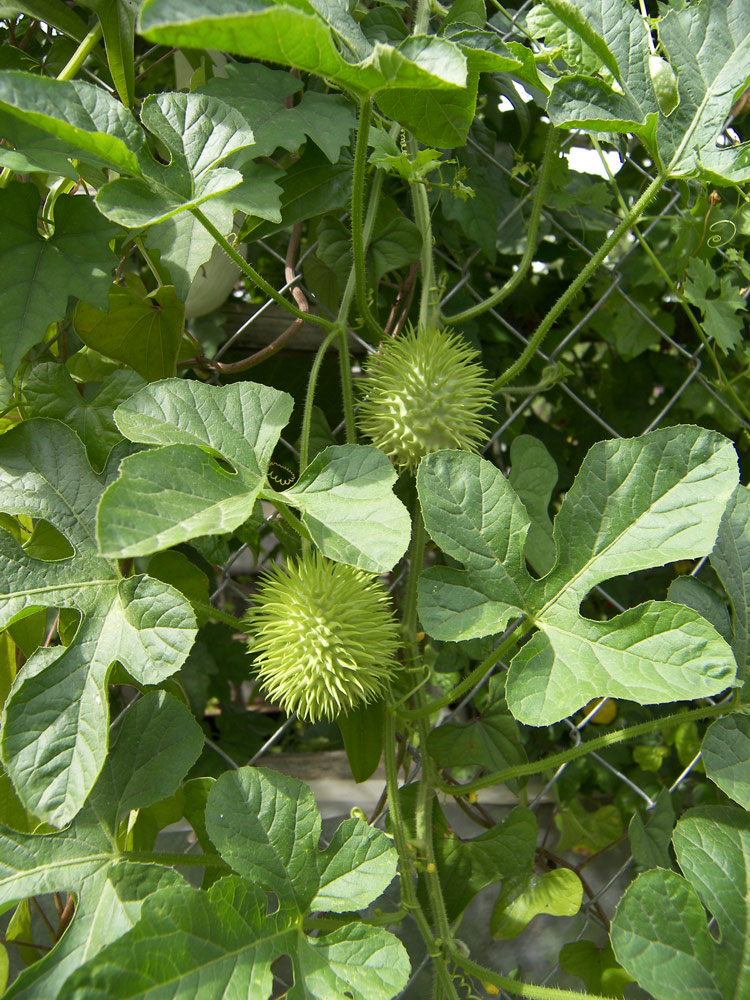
691,360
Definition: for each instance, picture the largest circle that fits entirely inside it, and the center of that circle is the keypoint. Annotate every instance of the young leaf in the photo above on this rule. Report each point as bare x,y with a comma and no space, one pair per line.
54,734
660,931
636,503
37,275
726,752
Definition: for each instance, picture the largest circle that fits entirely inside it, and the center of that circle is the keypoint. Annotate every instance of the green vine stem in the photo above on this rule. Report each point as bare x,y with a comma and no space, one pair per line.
677,292
577,284
545,171
222,616
358,238
80,55
476,675
429,303
251,273
555,760
487,977
304,448
347,389
68,71
409,900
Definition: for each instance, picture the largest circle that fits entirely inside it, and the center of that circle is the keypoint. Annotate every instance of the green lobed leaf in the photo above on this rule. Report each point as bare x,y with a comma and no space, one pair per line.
308,37
707,46
82,115
347,504
731,561
660,931
636,503
54,731
193,425
260,94
267,826
49,391
86,860
726,757
38,274
186,937
199,133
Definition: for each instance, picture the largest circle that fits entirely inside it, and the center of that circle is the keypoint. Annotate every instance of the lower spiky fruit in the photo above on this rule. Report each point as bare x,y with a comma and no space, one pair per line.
325,639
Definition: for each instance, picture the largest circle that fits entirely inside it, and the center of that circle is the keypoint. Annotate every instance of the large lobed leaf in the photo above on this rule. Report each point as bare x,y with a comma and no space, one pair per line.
635,504
266,826
54,727
153,747
345,495
660,932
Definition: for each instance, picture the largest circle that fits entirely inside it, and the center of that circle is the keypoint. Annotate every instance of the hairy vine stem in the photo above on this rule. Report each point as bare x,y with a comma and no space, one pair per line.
554,760
542,186
358,238
251,273
577,284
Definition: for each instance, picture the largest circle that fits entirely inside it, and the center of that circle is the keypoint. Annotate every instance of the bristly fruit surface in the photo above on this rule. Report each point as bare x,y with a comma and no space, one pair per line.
424,392
325,639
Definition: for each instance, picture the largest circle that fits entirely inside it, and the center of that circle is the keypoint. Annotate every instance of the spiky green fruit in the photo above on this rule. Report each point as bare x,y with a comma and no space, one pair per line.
424,392
325,639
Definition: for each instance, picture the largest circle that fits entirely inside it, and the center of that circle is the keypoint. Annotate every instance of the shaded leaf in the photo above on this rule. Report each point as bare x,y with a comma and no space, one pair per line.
38,274
726,756
731,561
141,329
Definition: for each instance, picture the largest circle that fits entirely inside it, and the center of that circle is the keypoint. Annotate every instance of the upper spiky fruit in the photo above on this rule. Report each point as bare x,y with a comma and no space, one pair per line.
325,639
424,392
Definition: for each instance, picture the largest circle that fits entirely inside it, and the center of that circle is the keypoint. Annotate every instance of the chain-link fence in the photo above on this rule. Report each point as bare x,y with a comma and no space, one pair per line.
693,362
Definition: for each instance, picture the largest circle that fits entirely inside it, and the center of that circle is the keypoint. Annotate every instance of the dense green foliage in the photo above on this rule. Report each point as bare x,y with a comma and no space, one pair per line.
377,173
